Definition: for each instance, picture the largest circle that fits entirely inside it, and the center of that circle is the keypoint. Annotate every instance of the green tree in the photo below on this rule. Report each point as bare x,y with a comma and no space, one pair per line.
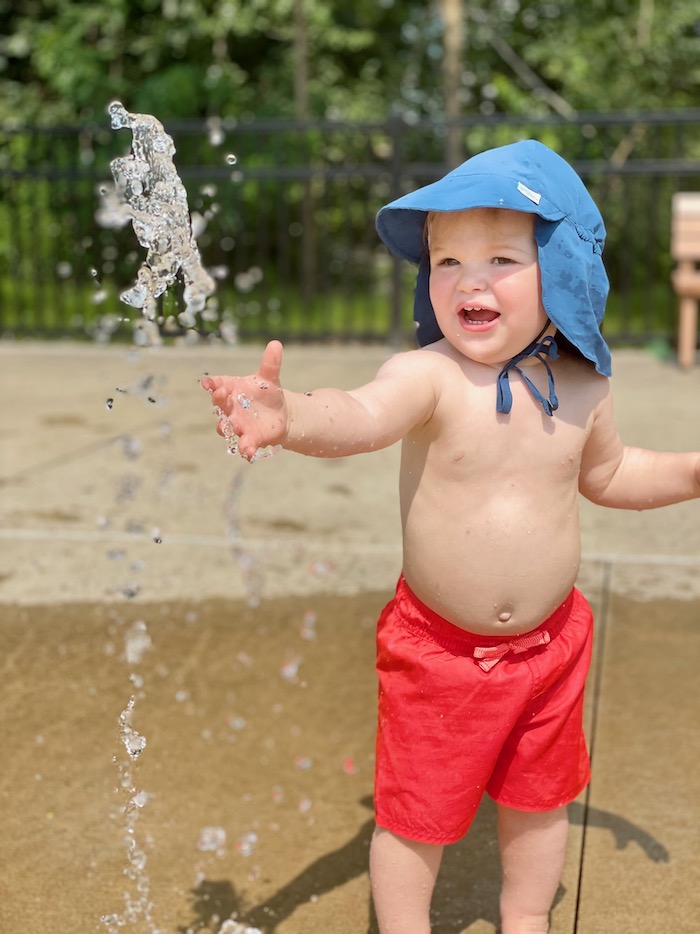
64,60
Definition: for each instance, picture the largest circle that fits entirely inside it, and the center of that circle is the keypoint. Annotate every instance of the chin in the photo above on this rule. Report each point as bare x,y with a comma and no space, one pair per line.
478,351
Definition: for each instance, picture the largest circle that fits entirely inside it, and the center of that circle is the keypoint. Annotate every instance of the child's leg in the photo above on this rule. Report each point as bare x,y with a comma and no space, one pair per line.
403,875
533,846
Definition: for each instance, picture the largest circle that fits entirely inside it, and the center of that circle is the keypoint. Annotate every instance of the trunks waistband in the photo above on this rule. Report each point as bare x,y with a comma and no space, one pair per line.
487,650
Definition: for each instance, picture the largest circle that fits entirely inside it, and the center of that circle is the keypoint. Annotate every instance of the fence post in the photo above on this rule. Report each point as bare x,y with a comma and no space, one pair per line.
395,127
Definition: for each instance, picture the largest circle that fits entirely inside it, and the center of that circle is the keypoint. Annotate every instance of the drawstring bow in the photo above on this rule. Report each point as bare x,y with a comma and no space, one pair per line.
543,350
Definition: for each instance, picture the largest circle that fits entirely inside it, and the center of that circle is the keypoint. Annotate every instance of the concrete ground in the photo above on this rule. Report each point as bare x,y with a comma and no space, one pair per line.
258,586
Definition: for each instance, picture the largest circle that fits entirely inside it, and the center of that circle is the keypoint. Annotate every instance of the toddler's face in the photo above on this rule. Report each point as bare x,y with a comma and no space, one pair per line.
485,282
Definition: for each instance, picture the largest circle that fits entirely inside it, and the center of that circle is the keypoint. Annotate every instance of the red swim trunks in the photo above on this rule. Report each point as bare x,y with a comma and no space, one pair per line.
461,714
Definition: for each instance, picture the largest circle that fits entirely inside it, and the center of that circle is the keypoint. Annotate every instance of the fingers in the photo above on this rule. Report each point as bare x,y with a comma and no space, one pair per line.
221,399
268,372
220,389
271,363
210,383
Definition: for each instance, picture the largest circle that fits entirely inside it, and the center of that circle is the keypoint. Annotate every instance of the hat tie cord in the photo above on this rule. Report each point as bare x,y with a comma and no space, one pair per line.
542,350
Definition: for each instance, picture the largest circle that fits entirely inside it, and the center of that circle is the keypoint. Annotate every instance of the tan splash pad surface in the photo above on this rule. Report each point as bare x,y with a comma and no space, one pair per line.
257,694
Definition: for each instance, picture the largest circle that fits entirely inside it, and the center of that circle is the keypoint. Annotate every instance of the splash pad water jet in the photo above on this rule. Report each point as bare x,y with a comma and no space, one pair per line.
153,197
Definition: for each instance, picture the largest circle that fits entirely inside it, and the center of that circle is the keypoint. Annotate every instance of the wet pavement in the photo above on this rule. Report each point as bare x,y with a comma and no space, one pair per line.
259,587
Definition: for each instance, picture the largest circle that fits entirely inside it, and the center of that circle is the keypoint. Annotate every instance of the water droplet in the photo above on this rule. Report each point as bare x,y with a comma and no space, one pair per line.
231,158
308,626
134,743
137,642
245,845
262,453
235,927
211,839
109,403
349,766
131,447
290,668
119,115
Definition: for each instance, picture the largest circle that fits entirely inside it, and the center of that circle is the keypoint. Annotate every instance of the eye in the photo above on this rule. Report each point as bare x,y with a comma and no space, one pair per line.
502,261
447,261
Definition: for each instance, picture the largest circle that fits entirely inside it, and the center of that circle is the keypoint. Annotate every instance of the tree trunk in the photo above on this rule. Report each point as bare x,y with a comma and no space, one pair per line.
454,39
302,110
301,61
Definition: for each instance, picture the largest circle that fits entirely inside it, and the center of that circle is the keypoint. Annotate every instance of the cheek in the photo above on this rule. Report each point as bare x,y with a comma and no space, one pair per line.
437,289
524,291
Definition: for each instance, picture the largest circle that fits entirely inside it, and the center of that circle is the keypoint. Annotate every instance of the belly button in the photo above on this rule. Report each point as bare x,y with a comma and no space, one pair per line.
504,616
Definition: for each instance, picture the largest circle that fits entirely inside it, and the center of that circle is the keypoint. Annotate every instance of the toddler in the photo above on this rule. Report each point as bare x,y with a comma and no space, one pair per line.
505,415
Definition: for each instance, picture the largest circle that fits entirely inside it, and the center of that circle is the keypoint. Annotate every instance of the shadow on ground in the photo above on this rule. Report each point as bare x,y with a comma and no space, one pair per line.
467,889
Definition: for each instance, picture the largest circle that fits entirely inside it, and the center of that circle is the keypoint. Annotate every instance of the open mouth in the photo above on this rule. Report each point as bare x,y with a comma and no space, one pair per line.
477,316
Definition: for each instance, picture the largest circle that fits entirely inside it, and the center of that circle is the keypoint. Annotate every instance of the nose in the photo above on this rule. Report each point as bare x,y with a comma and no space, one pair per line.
472,278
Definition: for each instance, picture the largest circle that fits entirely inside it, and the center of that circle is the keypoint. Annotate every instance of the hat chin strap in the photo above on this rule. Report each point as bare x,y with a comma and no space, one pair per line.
543,350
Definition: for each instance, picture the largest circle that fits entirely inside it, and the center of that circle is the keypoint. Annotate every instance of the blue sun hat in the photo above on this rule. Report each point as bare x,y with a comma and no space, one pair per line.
569,231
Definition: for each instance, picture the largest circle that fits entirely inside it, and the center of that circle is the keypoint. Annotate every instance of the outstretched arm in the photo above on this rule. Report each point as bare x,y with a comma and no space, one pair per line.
624,477
325,422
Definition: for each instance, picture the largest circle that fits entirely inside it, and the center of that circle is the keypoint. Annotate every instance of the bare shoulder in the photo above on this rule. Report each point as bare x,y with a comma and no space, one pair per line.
431,365
405,388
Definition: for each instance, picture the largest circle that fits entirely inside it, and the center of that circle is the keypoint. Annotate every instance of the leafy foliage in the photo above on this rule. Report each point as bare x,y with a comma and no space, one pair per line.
64,60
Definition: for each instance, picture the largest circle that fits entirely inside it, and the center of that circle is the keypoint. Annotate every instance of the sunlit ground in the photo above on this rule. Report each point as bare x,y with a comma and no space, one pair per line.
258,588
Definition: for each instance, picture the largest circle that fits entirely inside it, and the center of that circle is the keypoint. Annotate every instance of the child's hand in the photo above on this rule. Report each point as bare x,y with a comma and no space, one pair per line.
252,408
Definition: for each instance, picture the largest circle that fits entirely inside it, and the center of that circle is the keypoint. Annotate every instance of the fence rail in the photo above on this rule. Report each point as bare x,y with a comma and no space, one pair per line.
289,229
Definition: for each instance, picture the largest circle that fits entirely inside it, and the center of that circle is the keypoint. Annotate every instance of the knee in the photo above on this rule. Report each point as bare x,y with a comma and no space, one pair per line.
513,823
388,849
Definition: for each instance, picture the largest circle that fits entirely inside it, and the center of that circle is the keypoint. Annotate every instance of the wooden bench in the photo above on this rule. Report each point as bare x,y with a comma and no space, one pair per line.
685,250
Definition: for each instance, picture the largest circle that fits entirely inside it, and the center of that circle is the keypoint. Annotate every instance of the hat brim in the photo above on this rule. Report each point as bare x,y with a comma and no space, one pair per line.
401,224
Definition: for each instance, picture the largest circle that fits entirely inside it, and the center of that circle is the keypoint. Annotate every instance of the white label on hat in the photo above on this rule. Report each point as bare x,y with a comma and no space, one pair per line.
534,196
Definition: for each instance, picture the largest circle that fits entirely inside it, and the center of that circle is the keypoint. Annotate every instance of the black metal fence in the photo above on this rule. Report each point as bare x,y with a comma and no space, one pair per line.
289,228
